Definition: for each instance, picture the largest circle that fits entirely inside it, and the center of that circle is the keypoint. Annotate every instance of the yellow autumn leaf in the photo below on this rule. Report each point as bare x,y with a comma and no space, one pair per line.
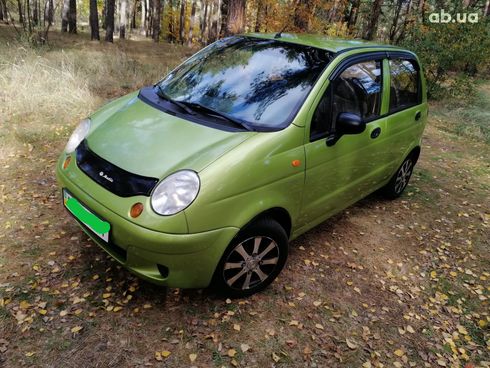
275,357
399,352
231,353
158,356
165,353
192,357
76,329
24,304
236,327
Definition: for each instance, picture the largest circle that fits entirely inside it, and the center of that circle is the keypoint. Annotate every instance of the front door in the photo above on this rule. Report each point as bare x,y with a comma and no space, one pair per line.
353,166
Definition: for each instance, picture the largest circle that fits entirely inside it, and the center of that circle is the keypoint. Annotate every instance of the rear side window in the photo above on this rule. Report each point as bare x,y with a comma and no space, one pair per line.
404,85
356,90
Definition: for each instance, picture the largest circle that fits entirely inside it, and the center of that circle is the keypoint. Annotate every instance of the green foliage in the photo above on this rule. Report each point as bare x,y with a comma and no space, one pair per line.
445,47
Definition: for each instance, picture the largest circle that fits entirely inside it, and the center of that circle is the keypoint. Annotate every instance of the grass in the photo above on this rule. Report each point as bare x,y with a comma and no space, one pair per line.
376,258
467,118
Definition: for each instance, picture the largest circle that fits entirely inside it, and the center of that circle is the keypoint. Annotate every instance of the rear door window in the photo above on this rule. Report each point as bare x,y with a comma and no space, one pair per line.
404,84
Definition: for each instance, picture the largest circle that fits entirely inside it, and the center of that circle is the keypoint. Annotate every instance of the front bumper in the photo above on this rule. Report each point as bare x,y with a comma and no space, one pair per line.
174,260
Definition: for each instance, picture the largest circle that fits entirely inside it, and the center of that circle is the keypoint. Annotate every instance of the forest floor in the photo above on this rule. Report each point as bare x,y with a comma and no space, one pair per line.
401,283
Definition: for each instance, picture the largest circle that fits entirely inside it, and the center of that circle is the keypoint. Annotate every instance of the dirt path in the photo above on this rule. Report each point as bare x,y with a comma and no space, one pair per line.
402,283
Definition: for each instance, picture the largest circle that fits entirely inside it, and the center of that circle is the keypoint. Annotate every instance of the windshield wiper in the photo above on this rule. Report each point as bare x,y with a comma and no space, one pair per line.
166,97
209,111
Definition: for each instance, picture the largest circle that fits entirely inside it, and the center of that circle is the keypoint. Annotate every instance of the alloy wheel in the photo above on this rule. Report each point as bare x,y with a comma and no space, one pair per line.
403,176
251,263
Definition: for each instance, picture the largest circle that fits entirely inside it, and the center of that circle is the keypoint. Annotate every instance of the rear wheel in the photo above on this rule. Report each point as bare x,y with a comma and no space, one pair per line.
400,180
253,259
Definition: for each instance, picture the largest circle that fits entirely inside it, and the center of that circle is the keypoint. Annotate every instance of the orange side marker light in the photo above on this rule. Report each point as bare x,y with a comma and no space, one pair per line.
296,163
66,162
136,210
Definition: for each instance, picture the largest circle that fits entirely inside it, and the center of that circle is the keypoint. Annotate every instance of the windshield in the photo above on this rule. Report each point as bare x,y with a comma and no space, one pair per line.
259,82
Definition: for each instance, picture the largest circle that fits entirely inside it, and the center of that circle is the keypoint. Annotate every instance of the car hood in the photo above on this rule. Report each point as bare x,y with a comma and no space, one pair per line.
146,141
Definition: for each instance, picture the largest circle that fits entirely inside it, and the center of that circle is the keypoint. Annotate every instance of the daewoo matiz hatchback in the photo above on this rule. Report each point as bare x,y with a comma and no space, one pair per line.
205,177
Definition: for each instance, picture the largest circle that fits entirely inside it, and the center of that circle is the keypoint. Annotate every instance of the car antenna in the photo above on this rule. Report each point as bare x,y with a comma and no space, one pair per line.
279,34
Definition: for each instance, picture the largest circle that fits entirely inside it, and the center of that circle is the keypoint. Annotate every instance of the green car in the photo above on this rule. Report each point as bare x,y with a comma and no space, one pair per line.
205,177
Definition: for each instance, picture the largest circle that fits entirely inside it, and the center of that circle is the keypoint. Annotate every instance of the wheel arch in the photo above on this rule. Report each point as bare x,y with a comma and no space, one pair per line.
415,153
279,214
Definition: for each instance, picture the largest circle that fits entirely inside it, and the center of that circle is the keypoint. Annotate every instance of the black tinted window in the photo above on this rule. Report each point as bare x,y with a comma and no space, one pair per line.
404,84
357,90
258,81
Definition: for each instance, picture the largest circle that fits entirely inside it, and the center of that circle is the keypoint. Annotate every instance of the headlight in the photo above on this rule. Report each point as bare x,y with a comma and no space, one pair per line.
175,193
78,135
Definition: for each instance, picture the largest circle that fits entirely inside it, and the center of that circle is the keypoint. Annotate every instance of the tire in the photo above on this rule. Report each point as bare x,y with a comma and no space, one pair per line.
253,259
400,179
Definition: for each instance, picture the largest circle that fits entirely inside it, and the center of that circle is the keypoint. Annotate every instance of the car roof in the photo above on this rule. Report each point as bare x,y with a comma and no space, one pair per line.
332,44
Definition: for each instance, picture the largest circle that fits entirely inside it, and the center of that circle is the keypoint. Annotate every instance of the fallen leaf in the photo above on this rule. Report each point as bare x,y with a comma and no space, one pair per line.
236,327
231,353
244,347
351,344
166,353
275,357
76,329
399,352
192,357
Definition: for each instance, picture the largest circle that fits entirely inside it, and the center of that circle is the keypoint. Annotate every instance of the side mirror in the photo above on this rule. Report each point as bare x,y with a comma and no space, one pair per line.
348,123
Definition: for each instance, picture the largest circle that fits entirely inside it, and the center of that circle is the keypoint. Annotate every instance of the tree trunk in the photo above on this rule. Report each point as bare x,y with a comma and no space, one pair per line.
2,11
394,23
259,18
372,26
133,14
35,15
302,14
209,34
403,28
182,21
94,21
149,17
109,21
216,21
143,17
72,19
193,22
352,18
157,9
64,15
123,18
49,12
21,17
204,23
486,12
235,20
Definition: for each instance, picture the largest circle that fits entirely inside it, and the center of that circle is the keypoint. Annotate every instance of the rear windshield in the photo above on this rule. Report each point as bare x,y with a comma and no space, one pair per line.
257,81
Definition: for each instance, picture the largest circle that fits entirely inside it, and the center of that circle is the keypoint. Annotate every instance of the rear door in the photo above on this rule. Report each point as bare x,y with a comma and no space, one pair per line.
407,106
341,173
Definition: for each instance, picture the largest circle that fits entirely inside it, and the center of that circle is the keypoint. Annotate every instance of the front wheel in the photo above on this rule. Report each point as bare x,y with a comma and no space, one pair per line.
253,259
400,180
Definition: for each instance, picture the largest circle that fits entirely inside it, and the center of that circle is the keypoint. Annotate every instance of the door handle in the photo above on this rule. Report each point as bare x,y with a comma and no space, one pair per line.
375,133
418,115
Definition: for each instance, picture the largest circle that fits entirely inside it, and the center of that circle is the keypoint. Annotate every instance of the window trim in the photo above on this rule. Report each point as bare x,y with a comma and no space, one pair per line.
339,69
